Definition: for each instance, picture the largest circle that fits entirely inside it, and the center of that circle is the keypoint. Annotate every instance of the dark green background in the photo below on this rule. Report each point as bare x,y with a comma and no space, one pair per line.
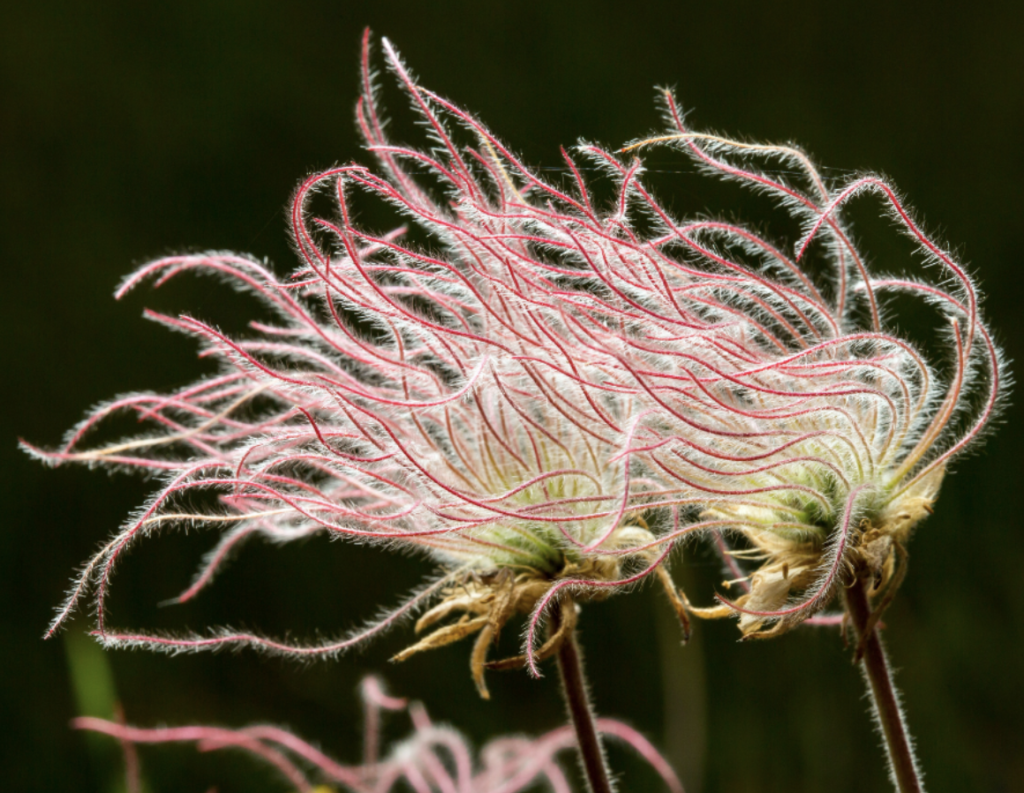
131,130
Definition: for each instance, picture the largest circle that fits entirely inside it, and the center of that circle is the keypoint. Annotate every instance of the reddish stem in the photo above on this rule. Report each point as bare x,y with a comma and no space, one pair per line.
903,768
577,702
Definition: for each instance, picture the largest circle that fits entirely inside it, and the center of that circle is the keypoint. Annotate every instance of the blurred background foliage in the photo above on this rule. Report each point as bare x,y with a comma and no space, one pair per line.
129,130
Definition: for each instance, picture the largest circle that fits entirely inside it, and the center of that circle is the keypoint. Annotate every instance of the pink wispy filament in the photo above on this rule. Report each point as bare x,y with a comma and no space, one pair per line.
432,758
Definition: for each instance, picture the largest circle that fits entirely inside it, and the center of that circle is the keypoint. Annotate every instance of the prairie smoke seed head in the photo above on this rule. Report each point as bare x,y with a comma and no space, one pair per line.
554,394
466,403
803,401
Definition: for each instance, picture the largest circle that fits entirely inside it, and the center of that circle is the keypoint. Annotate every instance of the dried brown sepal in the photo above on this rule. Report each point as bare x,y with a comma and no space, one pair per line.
708,612
478,659
443,636
503,606
678,602
546,650
452,604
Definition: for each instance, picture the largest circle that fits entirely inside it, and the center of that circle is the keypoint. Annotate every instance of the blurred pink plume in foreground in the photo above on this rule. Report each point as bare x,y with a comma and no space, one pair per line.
433,758
554,392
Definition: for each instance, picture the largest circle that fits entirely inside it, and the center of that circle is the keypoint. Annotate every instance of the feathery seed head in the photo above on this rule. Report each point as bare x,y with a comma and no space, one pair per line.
839,429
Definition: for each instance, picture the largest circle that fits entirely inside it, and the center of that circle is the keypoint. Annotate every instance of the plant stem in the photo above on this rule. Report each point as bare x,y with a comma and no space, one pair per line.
903,768
577,702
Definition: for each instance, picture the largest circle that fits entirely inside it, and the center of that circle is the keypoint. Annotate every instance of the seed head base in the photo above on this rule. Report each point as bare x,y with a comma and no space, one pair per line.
790,566
485,603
